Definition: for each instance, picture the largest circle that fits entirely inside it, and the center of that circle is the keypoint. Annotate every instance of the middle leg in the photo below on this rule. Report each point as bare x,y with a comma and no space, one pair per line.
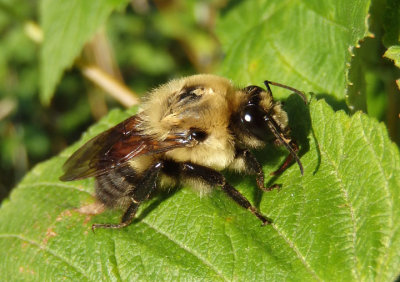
253,167
214,178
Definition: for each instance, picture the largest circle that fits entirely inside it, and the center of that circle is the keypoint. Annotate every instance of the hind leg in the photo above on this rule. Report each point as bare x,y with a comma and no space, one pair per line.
141,192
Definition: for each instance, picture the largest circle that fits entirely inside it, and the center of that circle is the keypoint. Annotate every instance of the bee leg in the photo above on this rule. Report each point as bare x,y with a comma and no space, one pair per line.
253,167
214,178
288,161
142,191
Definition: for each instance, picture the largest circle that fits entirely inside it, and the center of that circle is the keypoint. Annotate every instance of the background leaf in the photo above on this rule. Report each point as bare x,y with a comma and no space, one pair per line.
393,53
391,22
307,44
67,25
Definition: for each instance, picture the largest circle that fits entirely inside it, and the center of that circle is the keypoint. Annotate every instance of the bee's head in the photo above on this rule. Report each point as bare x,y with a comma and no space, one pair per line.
255,116
261,120
259,112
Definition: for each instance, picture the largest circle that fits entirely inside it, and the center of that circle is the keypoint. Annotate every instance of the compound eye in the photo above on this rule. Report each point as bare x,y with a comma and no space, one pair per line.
254,120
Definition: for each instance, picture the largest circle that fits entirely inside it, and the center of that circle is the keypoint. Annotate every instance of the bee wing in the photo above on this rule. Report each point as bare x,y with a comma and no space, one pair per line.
116,146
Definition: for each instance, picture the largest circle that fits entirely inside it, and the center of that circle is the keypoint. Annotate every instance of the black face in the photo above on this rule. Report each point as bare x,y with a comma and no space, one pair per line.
253,117
255,121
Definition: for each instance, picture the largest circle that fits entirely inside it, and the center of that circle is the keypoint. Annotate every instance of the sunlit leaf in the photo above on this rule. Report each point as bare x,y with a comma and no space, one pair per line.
393,53
306,44
338,221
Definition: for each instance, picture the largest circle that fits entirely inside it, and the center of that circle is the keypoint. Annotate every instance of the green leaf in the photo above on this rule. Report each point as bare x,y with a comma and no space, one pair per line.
337,222
307,44
391,22
67,26
356,90
393,53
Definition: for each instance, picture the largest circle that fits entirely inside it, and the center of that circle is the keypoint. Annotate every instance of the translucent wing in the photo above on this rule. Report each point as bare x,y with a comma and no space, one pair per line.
116,146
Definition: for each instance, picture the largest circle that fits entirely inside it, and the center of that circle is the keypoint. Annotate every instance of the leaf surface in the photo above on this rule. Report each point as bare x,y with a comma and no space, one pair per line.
338,221
393,53
307,44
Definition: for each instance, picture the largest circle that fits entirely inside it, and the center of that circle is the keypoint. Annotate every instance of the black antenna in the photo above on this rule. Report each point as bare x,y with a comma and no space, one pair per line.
298,92
273,127
287,145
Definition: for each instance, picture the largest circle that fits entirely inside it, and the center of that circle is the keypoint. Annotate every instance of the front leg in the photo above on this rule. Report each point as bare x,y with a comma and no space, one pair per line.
253,167
214,178
289,159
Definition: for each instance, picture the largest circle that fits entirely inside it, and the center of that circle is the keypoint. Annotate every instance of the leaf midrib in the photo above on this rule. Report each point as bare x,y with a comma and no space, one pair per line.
345,197
379,260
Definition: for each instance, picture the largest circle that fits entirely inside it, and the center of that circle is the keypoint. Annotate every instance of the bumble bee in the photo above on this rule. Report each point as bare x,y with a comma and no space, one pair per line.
187,131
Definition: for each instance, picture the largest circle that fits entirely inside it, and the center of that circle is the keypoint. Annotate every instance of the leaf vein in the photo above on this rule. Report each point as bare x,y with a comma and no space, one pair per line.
117,274
183,247
345,196
378,163
52,184
49,251
282,58
341,26
297,251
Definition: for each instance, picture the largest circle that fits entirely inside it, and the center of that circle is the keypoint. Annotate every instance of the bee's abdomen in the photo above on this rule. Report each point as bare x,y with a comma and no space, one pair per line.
112,187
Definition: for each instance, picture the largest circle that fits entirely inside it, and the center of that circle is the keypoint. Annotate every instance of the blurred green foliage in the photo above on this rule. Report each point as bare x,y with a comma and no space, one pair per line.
151,42
147,43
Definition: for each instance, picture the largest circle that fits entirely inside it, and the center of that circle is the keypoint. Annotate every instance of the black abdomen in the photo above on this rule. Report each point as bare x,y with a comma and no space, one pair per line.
113,187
